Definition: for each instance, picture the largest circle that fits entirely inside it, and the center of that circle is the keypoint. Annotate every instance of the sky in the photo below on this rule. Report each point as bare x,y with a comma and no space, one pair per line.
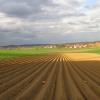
49,21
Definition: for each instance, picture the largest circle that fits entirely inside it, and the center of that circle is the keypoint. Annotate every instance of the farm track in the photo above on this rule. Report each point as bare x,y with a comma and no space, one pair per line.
49,77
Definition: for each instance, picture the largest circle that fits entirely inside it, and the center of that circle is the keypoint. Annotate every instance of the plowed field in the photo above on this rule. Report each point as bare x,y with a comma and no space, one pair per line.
50,77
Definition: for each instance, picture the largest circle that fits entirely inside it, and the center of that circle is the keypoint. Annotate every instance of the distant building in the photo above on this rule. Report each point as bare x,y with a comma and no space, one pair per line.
49,46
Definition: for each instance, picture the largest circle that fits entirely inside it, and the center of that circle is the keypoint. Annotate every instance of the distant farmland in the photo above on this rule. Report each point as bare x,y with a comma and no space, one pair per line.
16,52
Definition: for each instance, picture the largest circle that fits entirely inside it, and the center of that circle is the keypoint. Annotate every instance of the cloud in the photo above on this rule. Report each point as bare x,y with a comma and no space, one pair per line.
44,21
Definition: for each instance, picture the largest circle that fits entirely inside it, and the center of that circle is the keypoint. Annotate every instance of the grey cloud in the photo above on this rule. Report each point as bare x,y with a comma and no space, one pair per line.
33,9
44,21
21,8
16,10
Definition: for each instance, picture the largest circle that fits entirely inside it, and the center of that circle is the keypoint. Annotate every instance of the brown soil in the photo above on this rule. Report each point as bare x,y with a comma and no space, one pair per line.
72,76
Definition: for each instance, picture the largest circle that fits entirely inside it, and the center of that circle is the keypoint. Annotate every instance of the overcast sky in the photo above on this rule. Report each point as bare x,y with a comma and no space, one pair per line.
49,21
